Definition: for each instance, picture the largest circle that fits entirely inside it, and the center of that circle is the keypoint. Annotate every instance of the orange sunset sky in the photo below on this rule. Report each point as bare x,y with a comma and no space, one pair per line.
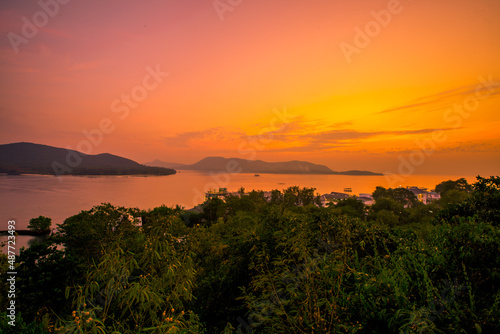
349,84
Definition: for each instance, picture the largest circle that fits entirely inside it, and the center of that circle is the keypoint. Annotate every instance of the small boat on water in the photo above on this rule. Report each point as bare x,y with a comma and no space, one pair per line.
256,175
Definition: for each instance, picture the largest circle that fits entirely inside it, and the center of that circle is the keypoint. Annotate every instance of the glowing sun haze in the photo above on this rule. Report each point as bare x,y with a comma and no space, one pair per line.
349,84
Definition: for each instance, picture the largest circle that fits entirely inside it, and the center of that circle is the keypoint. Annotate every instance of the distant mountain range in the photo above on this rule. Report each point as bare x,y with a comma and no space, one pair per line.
29,158
219,164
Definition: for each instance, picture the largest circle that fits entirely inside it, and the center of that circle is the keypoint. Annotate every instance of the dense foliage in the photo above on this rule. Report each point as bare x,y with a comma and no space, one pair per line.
40,224
284,264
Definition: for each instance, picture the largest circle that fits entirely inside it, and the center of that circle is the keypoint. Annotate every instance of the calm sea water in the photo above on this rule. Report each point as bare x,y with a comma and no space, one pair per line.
28,196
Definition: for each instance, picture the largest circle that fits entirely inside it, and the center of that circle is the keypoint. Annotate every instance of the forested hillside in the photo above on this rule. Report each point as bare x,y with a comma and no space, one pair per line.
29,158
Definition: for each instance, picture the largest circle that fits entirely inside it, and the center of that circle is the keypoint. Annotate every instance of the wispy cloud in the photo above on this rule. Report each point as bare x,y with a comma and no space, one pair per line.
297,136
445,99
477,146
212,135
342,139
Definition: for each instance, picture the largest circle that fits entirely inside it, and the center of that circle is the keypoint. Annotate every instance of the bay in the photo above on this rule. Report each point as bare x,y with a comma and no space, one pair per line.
27,196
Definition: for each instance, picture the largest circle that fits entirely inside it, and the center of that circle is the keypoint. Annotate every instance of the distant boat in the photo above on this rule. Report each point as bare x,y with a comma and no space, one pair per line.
256,175
347,190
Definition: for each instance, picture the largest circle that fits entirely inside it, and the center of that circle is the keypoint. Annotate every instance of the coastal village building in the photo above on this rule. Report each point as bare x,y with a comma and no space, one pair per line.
332,197
222,192
423,195
367,199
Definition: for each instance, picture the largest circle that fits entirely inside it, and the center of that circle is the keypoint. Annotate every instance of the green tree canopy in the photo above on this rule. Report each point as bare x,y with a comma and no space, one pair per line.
459,184
88,232
453,196
40,224
400,195
351,207
483,202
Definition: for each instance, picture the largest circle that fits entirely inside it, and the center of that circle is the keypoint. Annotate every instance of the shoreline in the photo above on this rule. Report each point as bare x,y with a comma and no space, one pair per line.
30,233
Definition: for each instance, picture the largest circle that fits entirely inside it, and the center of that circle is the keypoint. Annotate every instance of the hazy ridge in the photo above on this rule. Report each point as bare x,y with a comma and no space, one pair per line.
219,164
